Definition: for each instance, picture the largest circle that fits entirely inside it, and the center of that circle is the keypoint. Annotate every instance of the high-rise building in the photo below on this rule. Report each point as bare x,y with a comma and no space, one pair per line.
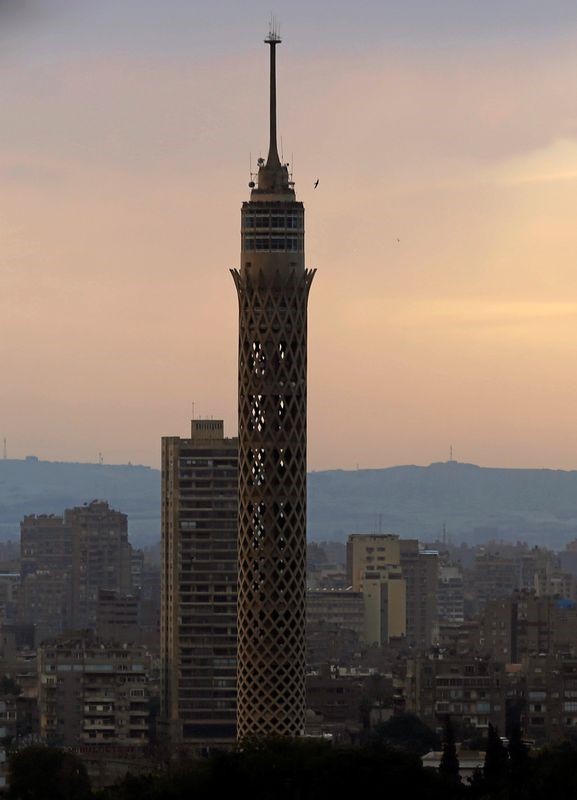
385,598
370,552
46,567
374,568
102,557
273,287
494,575
199,584
421,572
67,560
451,595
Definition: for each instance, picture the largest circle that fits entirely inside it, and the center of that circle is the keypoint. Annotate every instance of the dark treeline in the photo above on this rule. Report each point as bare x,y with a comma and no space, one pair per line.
308,770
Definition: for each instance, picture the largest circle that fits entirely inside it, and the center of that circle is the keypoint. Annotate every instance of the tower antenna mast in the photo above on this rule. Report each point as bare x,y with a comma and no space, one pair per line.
272,40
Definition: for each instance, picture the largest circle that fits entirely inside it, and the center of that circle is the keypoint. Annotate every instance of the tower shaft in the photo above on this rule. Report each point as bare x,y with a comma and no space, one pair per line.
273,287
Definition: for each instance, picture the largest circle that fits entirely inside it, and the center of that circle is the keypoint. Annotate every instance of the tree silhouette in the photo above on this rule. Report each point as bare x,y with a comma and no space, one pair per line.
519,764
496,767
406,732
449,765
47,773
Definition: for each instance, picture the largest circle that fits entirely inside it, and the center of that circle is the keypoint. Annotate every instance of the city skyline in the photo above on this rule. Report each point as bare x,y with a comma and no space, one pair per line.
445,151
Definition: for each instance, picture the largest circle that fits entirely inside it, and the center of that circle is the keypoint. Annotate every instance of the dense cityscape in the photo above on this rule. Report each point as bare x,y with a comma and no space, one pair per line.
232,653
401,636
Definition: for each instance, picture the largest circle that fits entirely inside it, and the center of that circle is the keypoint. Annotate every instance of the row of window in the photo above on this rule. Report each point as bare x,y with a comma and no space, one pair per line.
276,220
290,244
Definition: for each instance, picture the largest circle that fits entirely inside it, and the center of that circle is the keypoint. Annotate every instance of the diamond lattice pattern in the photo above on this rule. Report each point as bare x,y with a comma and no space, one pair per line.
272,503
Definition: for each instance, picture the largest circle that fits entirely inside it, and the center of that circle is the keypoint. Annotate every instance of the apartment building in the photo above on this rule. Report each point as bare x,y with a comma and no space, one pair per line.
93,692
199,586
472,689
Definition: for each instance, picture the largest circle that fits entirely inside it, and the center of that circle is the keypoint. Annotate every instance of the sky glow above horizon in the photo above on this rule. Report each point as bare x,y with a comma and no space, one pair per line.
124,159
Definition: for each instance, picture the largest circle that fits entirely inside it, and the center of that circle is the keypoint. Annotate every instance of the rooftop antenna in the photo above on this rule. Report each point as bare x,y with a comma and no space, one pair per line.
193,410
100,459
5,449
273,39
450,452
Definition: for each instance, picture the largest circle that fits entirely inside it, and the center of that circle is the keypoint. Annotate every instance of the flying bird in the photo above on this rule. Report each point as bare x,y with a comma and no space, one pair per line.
316,183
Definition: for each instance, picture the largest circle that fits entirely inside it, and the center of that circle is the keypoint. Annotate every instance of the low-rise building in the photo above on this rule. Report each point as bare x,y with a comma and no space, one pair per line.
471,689
550,698
524,624
341,607
93,692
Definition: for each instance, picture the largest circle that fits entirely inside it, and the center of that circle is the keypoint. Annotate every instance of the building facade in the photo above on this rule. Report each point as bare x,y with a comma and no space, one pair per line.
101,557
199,585
46,568
471,689
550,709
272,286
92,692
525,624
65,561
451,595
374,569
421,572
370,552
337,607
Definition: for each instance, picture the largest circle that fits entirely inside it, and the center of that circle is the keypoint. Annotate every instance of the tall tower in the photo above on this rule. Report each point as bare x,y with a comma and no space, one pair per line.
273,286
198,597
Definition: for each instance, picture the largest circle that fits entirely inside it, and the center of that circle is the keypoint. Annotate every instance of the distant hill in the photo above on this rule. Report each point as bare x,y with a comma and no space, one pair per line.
475,503
31,486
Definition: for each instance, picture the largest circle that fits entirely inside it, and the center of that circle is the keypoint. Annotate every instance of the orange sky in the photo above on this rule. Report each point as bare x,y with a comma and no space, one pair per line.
122,171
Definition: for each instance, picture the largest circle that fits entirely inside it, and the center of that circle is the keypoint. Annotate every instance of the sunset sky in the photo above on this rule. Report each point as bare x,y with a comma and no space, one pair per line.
127,128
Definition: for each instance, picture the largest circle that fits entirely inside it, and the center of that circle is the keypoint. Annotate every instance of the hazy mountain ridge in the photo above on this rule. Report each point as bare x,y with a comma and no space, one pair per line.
474,502
48,487
536,504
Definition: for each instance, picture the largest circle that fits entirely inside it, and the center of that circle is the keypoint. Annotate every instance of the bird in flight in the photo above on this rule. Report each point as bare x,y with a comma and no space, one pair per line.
316,183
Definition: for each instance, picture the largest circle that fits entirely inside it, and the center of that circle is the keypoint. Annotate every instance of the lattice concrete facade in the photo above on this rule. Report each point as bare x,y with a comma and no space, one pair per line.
273,287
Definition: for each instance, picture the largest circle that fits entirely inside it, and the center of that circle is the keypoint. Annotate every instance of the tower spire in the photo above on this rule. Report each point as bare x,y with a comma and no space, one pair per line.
272,40
273,177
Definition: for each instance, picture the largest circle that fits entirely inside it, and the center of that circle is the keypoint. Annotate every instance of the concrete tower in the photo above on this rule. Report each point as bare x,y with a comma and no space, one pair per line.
273,287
